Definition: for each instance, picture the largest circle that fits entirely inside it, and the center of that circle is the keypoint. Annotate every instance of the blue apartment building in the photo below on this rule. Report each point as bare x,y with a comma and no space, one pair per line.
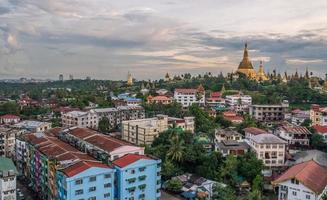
137,177
86,181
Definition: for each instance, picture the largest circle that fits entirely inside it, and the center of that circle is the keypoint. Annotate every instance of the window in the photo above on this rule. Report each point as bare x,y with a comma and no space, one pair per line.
132,171
307,196
294,193
142,169
92,189
142,178
106,195
92,178
107,176
107,185
79,182
78,192
92,198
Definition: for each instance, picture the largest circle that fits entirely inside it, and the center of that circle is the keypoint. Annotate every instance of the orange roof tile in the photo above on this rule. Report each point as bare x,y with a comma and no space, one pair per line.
310,174
320,129
255,131
82,166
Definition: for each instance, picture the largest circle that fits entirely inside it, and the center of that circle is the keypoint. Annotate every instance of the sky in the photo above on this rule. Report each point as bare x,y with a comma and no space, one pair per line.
104,39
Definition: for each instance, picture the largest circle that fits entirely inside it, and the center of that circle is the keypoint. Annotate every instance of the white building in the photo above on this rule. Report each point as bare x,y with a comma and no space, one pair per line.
9,119
269,113
294,135
187,97
8,174
269,148
81,119
238,102
304,181
7,141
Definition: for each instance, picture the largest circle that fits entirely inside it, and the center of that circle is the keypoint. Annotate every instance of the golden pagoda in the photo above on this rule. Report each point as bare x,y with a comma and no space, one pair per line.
129,79
246,66
261,75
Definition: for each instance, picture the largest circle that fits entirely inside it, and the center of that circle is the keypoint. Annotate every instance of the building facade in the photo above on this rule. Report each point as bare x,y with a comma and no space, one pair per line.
81,119
144,131
187,97
307,180
318,115
7,141
269,148
33,126
238,102
9,119
269,113
8,175
138,177
294,135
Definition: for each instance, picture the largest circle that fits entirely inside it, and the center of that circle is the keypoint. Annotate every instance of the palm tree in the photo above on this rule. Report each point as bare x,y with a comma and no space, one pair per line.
176,150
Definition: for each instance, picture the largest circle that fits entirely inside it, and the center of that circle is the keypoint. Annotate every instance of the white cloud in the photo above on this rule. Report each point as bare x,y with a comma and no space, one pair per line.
298,61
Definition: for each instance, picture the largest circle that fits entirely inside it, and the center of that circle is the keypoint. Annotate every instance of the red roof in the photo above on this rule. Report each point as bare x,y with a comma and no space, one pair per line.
9,116
320,129
233,118
255,131
215,94
129,159
310,174
82,166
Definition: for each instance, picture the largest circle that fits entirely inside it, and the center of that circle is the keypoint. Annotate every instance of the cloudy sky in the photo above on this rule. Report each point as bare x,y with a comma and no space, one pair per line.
107,38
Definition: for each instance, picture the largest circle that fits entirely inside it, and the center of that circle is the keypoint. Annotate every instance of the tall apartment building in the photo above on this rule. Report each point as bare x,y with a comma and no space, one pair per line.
7,141
58,170
144,131
80,119
119,114
138,177
8,175
238,102
269,113
187,97
269,148
100,146
318,115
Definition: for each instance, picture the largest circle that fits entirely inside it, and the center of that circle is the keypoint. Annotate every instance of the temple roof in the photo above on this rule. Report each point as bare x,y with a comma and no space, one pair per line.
246,62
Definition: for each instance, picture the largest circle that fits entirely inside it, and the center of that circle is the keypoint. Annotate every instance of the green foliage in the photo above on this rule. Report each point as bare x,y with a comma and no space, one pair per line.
9,108
32,112
257,184
222,122
176,150
317,142
203,123
174,185
254,195
104,125
169,170
223,193
249,166
173,110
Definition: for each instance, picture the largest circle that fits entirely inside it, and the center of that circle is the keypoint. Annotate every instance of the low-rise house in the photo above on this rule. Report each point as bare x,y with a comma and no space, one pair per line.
144,131
318,115
227,134
33,126
253,131
159,99
269,148
304,156
80,118
9,119
322,130
238,102
269,113
195,186
299,116
294,135
138,177
215,100
8,175
233,117
307,180
231,147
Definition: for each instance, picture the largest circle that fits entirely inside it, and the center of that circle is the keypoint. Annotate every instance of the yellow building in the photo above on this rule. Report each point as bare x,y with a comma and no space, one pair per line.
245,66
129,79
